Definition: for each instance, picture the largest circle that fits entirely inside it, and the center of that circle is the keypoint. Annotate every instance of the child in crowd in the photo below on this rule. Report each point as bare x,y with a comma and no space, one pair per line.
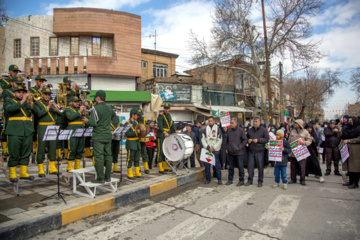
280,167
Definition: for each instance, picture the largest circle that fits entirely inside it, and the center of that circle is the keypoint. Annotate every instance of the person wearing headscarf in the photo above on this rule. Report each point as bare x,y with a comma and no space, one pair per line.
312,162
351,137
298,132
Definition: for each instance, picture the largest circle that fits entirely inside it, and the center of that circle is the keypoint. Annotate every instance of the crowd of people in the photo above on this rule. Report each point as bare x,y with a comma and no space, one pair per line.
238,146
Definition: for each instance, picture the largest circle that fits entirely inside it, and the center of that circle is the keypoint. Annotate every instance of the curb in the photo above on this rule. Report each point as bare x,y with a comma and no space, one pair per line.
50,222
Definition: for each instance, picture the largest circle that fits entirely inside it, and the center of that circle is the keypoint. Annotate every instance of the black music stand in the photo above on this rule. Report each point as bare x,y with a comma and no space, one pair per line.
121,131
52,133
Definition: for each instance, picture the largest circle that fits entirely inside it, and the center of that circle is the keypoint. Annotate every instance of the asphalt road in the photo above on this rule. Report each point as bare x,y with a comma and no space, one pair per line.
197,211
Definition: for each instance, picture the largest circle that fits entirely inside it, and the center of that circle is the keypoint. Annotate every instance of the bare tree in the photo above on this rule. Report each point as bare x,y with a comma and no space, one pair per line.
310,93
3,15
355,81
238,43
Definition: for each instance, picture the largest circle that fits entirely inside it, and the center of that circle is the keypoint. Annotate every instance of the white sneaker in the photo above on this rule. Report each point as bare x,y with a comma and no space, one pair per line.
275,185
285,186
321,179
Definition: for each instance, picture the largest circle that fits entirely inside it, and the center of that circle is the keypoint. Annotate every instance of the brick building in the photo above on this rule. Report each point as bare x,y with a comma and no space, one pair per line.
97,47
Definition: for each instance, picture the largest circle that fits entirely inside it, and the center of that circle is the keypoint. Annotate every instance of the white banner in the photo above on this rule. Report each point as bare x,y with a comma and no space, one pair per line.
207,157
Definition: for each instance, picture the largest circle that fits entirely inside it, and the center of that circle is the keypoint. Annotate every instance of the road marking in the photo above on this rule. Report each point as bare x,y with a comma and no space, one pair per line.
139,217
195,226
276,218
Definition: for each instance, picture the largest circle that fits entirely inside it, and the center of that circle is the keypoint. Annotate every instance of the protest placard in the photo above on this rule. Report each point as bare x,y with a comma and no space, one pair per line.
275,153
344,151
322,134
207,157
300,151
225,119
272,136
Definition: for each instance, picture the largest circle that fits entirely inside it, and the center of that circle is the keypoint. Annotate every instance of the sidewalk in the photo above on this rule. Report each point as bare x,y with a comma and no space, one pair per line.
25,215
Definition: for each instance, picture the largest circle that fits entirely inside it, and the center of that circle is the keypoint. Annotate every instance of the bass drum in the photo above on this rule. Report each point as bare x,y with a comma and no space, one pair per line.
178,146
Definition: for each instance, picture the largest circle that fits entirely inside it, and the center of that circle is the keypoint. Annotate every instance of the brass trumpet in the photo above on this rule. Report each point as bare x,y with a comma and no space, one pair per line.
59,108
35,97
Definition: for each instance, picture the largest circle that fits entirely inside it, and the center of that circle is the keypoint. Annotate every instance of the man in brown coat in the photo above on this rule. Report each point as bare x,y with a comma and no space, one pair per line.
296,133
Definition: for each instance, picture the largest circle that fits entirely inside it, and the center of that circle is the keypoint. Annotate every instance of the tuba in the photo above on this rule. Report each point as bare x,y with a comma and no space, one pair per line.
61,96
144,131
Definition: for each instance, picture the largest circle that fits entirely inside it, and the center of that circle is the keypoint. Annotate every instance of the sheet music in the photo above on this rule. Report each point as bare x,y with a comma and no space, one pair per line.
118,130
79,132
51,133
65,134
88,132
125,129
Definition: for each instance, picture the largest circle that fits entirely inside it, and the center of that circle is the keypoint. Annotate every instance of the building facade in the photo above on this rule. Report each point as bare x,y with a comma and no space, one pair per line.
95,47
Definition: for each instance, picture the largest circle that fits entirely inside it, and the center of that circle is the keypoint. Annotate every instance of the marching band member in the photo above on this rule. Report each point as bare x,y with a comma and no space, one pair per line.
19,131
74,115
88,104
45,112
6,86
39,86
143,151
165,124
133,145
100,119
61,120
115,144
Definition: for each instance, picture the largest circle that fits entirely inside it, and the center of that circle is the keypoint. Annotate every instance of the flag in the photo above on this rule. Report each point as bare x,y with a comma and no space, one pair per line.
206,156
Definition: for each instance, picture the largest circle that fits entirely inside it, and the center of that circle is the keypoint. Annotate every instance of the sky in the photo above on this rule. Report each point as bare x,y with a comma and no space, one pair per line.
338,26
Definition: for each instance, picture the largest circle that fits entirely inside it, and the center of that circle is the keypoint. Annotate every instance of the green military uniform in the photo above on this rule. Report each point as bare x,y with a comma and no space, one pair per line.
133,146
102,137
19,131
62,121
6,94
165,124
34,90
115,144
143,151
45,118
5,83
76,144
88,152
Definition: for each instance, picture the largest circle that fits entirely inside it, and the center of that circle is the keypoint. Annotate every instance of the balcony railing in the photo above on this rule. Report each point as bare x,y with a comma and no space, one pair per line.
55,65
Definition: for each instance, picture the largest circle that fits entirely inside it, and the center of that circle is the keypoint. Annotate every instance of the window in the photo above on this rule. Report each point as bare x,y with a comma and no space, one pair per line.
74,46
144,64
160,70
127,108
17,48
53,46
34,46
219,99
96,46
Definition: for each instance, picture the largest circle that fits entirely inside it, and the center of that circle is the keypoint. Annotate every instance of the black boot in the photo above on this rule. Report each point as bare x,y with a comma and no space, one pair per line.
354,185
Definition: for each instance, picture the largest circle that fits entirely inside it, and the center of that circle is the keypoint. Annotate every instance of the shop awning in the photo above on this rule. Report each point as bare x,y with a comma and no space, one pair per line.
124,96
222,108
194,109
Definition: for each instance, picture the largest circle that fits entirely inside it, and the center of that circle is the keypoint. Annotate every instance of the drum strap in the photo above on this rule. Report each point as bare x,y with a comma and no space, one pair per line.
167,122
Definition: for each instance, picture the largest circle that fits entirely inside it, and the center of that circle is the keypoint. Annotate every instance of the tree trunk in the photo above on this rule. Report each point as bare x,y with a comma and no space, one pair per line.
264,113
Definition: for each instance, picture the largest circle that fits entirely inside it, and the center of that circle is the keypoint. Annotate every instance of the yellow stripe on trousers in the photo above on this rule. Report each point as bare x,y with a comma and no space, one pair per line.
127,162
158,155
68,155
37,146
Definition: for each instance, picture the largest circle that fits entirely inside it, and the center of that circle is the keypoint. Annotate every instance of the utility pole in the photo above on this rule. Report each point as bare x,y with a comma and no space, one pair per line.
268,80
281,94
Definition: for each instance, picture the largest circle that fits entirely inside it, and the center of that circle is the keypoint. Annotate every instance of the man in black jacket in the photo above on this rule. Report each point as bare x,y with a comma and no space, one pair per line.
332,151
236,142
257,138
